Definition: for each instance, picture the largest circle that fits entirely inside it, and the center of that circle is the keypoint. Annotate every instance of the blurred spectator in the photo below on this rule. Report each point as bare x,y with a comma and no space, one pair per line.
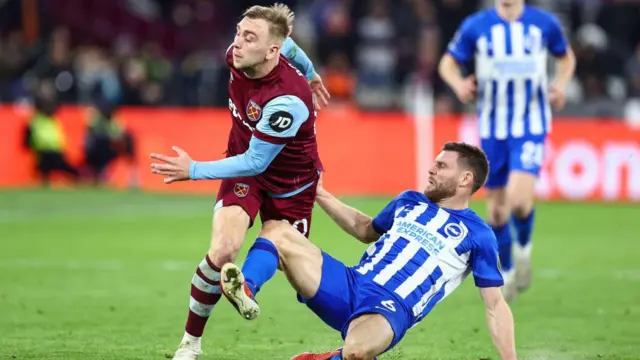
45,137
633,73
337,77
12,64
370,52
619,19
376,57
106,140
56,66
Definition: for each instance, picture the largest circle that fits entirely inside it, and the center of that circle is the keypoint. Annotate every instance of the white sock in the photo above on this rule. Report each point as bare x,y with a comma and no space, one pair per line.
190,338
524,251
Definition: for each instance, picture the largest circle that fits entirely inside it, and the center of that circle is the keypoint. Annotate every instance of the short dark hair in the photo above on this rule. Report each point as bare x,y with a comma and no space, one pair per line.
472,157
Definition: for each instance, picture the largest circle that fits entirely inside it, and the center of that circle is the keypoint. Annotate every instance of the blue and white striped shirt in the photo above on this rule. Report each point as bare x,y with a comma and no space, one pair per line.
427,251
511,69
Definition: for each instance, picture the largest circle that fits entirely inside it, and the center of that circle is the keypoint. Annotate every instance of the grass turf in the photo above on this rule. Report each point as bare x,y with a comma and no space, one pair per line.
91,274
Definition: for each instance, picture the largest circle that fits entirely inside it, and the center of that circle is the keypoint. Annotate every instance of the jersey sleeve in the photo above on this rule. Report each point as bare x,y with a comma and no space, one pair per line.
557,42
462,46
281,119
298,57
484,261
384,220
251,163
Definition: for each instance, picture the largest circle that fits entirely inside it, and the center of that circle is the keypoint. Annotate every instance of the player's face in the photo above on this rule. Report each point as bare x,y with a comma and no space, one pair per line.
444,177
252,44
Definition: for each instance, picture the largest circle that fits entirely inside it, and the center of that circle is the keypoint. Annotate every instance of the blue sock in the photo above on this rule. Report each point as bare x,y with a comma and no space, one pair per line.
503,234
524,227
261,264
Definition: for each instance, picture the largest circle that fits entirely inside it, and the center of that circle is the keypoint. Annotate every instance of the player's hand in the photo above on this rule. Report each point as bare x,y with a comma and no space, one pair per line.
321,94
320,191
174,168
466,89
557,96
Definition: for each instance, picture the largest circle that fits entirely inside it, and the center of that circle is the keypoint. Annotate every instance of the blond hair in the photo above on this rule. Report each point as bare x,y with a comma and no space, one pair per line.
279,17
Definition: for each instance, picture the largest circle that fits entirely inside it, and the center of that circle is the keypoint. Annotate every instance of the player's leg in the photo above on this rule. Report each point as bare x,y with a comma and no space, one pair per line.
520,193
526,160
320,281
498,210
300,259
262,260
377,322
240,286
368,336
236,208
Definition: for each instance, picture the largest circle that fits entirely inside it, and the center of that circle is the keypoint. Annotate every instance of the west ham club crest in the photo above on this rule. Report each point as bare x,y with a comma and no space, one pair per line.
253,111
241,190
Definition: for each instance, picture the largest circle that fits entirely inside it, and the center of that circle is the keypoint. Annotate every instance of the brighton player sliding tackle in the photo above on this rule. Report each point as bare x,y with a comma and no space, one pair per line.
510,44
423,245
272,165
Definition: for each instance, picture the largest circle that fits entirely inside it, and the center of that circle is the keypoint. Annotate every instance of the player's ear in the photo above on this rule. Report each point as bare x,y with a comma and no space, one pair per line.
466,179
274,51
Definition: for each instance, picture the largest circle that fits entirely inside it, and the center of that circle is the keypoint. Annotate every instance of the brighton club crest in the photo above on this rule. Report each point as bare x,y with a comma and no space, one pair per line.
241,190
253,111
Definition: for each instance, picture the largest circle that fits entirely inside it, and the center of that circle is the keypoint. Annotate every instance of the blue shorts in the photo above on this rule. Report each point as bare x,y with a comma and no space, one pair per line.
344,295
524,155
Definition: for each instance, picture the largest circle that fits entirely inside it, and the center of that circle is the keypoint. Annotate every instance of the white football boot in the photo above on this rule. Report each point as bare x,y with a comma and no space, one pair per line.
522,264
235,289
189,349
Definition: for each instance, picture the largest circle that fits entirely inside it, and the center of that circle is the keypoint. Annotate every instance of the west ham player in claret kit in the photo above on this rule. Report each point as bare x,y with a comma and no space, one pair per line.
272,164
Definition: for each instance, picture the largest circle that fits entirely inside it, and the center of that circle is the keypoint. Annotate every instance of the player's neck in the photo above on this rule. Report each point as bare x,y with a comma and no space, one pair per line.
262,70
454,203
510,13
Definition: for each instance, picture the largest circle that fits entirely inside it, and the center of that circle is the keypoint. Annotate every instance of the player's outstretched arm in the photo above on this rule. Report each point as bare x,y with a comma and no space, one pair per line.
298,57
183,167
500,321
352,221
280,122
300,60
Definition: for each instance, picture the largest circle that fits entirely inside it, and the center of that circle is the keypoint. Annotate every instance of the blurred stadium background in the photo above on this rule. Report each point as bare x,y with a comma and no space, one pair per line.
95,263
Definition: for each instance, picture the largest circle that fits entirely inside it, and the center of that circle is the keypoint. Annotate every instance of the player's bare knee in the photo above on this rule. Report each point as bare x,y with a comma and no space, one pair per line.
224,249
520,193
498,214
276,232
497,207
521,206
229,227
356,350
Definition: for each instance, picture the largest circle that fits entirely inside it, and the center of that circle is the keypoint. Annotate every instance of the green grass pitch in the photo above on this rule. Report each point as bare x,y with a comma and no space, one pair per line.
105,275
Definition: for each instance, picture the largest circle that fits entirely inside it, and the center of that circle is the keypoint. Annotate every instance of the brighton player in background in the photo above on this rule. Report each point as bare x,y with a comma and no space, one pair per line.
423,245
510,44
272,165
